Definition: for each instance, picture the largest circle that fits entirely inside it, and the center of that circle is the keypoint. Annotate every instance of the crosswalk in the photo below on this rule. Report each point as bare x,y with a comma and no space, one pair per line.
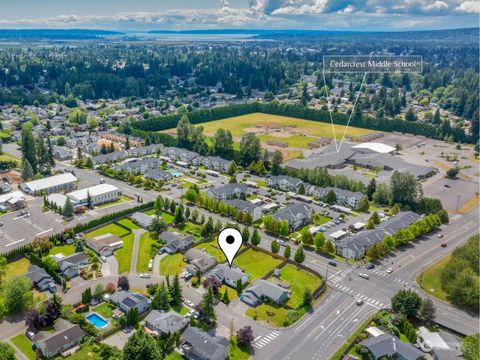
339,276
263,341
382,273
358,296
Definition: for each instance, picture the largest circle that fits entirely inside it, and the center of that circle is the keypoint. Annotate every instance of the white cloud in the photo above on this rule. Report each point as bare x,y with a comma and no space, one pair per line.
469,7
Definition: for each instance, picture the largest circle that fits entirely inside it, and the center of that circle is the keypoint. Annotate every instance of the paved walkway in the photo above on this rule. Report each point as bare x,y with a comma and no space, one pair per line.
156,264
136,245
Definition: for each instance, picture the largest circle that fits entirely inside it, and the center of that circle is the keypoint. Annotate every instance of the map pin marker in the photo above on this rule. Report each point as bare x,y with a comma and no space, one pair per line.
230,240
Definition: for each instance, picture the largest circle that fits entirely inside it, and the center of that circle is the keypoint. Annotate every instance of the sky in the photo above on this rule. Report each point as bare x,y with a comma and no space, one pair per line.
131,15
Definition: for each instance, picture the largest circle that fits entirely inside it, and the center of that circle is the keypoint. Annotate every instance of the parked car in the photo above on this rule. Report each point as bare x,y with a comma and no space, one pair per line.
103,258
359,302
370,267
1,223
332,263
189,303
145,276
389,270
363,275
444,245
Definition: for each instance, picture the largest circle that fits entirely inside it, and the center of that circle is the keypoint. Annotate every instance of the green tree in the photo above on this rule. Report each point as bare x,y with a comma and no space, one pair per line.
3,267
299,255
27,171
175,292
404,188
223,143
331,197
255,238
225,298
471,347
406,302
329,248
239,287
179,217
141,346
250,146
17,294
277,160
29,148
68,210
427,311
319,241
7,352
284,228
207,309
275,247
375,218
307,237
410,115
287,252
364,204
157,226
371,188
307,298
183,132
245,234
383,195
161,299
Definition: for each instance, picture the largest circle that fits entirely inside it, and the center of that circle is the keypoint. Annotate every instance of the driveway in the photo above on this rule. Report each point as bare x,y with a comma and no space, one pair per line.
118,339
136,244
110,268
156,264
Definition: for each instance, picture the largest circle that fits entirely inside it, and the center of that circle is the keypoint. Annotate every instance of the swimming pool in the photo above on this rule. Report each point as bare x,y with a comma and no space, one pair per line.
96,320
175,173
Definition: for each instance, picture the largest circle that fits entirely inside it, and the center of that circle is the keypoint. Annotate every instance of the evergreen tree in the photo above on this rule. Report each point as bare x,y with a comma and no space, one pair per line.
255,240
329,248
68,210
275,247
27,171
371,188
287,252
28,148
277,160
207,309
161,300
225,298
331,197
364,204
175,292
299,255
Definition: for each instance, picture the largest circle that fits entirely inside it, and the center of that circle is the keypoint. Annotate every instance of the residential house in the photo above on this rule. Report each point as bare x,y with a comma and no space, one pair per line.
109,158
143,220
247,207
64,340
344,197
296,215
158,175
13,200
285,183
178,154
104,245
70,266
174,242
440,345
199,261
127,300
216,163
161,322
228,191
199,345
260,290
139,166
62,153
228,275
355,246
41,280
391,347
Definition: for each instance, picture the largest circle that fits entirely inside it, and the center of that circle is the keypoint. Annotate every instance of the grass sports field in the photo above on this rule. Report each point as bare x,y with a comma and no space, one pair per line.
297,133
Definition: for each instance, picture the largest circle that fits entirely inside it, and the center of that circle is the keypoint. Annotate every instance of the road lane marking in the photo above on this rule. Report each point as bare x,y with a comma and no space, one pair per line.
15,242
44,232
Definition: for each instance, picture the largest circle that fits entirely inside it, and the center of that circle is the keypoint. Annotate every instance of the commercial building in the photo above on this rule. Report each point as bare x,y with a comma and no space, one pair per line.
99,194
50,184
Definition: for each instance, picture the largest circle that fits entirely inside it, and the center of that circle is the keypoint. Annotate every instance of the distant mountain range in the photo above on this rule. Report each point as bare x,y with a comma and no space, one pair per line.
54,34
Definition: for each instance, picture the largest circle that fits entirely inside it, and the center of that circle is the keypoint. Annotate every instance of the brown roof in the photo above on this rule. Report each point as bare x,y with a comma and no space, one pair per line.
99,243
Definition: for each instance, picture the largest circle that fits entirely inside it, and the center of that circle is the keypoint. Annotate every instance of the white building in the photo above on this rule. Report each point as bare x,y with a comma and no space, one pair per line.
50,184
373,148
99,194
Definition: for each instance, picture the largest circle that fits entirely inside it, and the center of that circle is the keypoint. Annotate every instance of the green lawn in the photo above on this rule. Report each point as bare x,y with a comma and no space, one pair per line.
166,217
65,250
120,200
256,263
296,141
299,281
320,219
272,315
174,356
430,279
144,252
24,345
124,254
86,352
9,157
182,310
17,268
232,293
212,248
172,264
108,229
192,229
104,310
129,223
237,352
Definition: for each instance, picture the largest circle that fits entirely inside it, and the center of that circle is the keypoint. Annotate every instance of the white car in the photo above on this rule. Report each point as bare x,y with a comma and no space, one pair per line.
103,258
145,276
389,270
189,303
363,275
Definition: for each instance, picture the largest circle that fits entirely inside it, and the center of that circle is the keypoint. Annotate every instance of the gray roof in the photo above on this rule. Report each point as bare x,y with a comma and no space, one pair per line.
339,192
127,298
204,344
388,227
39,276
199,260
389,345
243,205
223,271
72,260
263,288
175,241
229,189
157,174
62,338
292,181
137,165
328,157
166,322
142,219
288,213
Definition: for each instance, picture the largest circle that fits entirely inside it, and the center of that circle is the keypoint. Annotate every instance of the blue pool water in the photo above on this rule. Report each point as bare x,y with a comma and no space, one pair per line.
96,320
175,173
